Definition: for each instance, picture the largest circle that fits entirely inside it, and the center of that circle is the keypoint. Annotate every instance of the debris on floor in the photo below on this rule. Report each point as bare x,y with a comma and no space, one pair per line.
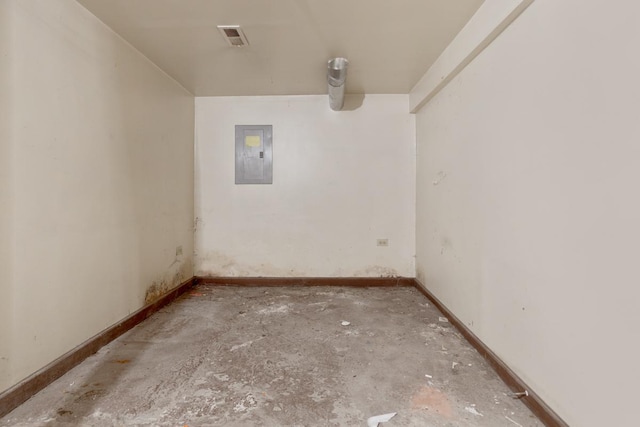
433,400
472,410
519,395
516,423
197,362
374,421
345,323
443,319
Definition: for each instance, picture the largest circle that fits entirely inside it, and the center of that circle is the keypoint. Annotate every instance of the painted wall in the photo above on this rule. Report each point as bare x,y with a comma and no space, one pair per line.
6,239
101,186
527,206
341,181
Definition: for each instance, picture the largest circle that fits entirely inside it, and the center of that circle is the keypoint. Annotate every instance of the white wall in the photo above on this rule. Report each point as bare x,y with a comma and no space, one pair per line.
101,189
341,181
528,208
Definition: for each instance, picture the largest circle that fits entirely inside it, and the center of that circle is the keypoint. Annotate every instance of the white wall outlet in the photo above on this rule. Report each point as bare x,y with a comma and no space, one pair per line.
382,242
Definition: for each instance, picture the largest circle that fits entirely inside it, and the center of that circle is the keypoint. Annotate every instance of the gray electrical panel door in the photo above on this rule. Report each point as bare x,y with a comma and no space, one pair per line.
254,157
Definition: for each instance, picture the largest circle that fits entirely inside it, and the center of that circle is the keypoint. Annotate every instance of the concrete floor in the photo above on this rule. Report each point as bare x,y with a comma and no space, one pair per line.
282,357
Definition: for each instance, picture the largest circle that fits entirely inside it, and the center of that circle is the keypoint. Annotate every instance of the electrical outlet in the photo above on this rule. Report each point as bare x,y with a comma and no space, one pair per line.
382,242
178,250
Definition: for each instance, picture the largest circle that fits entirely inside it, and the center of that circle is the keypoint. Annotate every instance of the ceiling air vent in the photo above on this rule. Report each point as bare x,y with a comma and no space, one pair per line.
234,35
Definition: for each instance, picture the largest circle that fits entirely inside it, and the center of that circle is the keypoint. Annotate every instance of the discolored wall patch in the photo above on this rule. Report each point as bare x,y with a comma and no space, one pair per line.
174,277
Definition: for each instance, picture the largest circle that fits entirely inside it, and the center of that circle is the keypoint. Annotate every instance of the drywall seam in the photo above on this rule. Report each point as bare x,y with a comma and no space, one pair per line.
491,19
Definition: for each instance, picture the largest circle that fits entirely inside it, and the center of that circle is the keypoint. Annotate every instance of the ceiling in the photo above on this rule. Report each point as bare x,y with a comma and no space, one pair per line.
390,44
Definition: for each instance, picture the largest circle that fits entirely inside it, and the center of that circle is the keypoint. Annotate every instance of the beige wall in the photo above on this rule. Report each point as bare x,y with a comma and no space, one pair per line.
101,185
6,238
341,181
526,218
527,206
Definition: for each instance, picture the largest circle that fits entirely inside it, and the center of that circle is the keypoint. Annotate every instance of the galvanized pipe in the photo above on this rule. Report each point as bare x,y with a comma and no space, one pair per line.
336,78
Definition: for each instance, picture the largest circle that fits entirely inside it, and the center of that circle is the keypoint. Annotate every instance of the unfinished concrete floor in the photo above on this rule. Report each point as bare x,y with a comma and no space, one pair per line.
232,356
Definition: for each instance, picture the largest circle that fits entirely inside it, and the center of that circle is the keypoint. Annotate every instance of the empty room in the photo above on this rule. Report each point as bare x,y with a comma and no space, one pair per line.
319,213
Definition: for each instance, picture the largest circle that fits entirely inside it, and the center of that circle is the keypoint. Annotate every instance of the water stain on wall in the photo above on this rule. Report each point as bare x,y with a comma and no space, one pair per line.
217,264
377,271
178,273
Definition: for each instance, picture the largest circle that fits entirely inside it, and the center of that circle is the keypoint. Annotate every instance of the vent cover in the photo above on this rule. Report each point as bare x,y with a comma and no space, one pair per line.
234,35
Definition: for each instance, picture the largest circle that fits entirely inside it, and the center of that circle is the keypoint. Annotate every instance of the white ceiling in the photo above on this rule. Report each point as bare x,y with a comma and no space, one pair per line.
390,44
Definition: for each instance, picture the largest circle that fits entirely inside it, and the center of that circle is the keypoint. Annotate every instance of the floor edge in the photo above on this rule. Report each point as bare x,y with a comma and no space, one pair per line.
533,401
19,393
357,282
25,389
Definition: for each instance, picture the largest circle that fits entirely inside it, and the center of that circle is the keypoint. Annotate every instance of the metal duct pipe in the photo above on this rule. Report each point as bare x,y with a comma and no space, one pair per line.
336,77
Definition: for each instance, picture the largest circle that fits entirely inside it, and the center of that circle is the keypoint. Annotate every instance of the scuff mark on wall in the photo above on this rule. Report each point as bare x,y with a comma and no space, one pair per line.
445,244
439,178
4,370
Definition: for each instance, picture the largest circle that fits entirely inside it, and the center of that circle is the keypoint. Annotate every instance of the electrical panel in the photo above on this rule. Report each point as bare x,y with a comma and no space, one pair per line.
254,154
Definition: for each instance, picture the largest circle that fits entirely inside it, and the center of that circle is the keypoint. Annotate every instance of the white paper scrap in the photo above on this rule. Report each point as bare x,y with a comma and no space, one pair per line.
374,421
473,410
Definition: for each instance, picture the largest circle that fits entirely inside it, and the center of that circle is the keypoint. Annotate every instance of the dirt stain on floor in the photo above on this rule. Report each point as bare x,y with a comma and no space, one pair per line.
286,360
432,399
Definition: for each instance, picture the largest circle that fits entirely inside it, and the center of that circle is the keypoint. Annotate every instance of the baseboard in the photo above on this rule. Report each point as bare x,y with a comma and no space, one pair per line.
21,392
356,282
513,381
